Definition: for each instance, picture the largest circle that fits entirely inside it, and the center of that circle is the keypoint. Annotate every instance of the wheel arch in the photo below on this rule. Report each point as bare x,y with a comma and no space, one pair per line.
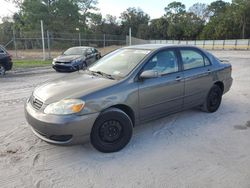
220,84
126,109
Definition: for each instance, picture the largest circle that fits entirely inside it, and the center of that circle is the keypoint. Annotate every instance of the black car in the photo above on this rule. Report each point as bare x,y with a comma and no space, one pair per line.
5,61
76,58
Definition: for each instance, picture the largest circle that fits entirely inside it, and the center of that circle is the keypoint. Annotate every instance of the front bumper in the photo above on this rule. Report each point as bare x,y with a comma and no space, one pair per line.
65,67
227,84
9,66
62,130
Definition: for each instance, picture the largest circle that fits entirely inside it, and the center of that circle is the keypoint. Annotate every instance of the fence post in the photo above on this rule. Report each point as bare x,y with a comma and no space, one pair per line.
248,44
223,44
104,40
203,43
130,36
235,46
48,38
44,55
213,45
14,40
80,42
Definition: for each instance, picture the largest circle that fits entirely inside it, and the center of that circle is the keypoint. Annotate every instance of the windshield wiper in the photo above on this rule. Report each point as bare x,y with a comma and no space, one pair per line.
103,74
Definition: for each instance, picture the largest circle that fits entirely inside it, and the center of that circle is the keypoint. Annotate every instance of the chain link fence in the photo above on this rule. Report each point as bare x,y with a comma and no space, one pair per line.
237,44
29,45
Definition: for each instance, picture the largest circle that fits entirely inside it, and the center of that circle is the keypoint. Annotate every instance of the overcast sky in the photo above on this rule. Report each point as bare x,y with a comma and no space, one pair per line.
155,8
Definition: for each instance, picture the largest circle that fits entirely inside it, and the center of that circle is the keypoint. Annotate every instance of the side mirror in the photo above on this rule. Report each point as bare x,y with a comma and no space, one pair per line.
149,74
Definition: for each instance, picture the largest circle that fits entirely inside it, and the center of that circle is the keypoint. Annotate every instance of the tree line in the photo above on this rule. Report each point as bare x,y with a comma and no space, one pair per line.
217,20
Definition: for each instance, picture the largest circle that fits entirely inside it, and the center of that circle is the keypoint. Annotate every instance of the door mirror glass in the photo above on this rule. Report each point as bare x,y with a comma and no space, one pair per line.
149,74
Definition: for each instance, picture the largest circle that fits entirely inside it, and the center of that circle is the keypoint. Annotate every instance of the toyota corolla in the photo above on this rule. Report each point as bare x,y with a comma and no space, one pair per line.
125,88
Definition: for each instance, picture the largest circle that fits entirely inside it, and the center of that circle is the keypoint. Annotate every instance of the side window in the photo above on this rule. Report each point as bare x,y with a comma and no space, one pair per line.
89,51
192,59
164,62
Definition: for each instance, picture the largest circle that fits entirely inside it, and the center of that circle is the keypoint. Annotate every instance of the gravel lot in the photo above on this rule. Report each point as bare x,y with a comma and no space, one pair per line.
188,149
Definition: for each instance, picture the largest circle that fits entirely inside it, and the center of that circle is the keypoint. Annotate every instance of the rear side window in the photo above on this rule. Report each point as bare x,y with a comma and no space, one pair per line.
193,59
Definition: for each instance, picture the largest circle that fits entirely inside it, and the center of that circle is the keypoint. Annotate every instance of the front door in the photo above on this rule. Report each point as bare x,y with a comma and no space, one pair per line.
90,57
164,94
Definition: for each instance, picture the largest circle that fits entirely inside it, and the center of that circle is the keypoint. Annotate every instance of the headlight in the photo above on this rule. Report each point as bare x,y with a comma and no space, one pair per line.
77,60
65,107
54,61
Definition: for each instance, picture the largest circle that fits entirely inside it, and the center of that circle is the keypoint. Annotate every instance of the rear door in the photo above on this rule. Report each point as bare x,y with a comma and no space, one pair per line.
197,76
164,94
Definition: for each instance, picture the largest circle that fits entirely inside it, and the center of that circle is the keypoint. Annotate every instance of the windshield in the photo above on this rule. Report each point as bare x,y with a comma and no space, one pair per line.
75,51
120,62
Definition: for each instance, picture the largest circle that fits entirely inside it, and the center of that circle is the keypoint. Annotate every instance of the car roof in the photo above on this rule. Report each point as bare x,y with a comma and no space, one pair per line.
83,47
156,46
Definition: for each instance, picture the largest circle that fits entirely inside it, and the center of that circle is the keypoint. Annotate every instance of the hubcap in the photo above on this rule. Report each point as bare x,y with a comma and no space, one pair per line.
110,131
214,99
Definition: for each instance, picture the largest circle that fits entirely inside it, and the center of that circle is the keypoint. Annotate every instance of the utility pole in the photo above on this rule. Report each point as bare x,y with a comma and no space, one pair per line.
79,36
48,38
44,55
104,40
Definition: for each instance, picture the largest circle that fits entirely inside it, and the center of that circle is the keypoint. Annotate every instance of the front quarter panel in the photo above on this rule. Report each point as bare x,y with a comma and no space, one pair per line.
123,93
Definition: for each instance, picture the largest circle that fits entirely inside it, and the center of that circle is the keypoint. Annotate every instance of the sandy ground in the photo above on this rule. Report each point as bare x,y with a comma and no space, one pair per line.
188,149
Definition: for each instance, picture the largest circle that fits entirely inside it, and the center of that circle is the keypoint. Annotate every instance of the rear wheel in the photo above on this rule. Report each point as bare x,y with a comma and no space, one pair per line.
112,131
213,99
2,70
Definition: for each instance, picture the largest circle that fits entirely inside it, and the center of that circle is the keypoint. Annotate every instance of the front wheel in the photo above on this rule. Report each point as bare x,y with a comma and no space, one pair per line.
112,131
213,99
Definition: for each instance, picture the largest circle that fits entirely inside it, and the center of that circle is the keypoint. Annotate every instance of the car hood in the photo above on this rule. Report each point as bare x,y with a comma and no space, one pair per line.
67,58
73,86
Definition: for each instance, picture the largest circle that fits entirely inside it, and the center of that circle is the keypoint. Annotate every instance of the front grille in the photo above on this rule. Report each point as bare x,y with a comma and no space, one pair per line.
59,62
36,103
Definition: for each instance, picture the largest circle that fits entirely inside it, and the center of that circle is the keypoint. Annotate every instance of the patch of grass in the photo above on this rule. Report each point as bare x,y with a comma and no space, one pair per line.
30,63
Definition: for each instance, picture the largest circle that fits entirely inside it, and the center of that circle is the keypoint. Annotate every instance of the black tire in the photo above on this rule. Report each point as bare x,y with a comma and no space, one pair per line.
2,70
213,99
112,131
